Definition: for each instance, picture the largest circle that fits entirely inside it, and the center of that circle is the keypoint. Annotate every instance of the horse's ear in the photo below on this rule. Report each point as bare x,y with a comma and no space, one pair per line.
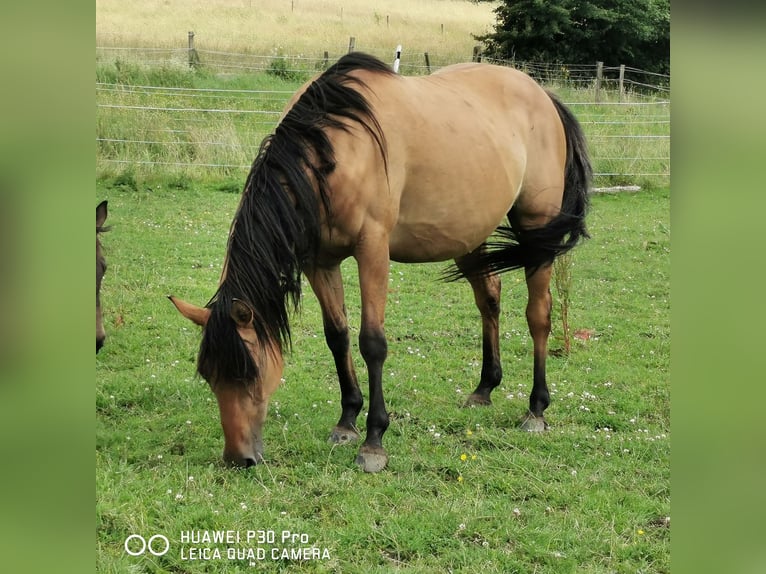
197,315
101,213
242,313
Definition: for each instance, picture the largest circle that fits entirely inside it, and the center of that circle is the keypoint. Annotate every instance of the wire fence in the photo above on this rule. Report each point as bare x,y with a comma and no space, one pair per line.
150,127
412,63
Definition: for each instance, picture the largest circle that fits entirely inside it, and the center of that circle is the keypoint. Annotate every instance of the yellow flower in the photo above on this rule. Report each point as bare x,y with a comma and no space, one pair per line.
460,478
473,457
469,432
464,456
640,532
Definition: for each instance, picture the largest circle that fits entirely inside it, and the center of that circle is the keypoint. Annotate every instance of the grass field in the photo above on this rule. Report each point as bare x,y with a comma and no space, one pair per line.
200,125
443,27
465,491
208,122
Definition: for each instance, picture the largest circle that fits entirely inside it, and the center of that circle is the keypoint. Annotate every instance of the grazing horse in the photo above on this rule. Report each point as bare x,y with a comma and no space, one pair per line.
372,165
101,213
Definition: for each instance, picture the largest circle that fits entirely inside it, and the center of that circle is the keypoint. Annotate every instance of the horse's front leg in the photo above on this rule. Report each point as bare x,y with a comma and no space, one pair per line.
327,284
373,262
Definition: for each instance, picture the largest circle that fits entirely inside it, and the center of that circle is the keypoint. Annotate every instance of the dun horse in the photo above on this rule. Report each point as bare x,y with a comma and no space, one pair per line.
101,213
372,165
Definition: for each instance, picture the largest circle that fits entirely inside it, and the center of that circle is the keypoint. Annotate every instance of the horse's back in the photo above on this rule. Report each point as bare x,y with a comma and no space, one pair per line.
461,147
501,111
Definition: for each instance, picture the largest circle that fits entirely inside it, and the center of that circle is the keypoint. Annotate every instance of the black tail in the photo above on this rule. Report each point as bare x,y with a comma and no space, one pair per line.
513,247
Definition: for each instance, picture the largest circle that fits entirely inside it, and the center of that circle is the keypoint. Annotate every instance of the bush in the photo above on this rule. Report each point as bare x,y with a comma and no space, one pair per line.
126,180
280,68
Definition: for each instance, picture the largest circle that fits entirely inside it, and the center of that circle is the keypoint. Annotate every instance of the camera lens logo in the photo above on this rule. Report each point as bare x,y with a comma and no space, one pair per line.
136,545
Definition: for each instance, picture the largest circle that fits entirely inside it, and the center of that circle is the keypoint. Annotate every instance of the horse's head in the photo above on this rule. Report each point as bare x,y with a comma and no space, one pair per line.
243,404
101,213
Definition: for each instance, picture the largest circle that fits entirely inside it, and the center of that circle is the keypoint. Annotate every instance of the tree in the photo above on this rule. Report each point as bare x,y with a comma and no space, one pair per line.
631,32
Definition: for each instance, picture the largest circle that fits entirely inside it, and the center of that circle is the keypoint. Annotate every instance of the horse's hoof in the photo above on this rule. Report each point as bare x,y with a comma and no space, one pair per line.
372,459
531,423
475,400
342,435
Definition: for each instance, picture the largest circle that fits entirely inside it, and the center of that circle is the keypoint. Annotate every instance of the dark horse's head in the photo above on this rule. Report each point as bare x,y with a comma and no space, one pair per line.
101,214
275,234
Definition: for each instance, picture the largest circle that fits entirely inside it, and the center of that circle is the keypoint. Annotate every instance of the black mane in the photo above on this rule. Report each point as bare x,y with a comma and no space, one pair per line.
275,234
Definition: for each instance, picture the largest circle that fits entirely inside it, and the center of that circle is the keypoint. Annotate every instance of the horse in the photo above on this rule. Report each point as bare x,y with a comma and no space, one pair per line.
475,163
101,213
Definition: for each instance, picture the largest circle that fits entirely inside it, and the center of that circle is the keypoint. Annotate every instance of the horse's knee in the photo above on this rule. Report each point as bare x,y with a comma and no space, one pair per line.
337,339
373,346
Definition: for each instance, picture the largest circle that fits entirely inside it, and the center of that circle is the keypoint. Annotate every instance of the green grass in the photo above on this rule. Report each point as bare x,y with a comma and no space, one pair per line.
589,496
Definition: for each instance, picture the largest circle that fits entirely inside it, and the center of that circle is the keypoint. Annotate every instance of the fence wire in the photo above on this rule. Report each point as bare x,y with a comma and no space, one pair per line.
205,128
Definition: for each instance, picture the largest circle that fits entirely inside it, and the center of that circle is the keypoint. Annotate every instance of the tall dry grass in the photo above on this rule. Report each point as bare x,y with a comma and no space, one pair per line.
294,26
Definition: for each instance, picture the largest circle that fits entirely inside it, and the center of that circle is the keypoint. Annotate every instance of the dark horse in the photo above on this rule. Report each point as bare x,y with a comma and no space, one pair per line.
372,165
101,213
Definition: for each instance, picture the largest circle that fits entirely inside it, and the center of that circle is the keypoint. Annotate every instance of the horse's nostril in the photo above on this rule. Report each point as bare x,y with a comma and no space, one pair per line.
239,462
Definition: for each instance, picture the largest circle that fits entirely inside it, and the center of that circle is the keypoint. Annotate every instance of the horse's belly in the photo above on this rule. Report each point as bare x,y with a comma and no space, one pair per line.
423,242
437,220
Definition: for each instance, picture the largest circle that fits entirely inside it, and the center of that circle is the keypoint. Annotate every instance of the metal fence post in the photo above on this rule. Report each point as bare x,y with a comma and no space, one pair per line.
599,77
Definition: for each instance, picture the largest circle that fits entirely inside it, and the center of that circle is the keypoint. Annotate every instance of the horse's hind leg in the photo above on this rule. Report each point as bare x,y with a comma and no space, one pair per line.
539,321
486,292
327,284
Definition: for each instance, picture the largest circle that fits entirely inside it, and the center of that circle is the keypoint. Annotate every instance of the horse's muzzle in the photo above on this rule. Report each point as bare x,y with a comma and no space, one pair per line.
241,461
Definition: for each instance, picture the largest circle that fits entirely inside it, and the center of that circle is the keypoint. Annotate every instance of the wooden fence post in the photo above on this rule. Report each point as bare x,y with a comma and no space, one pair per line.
397,58
599,77
193,56
622,80
428,62
476,54
326,59
351,44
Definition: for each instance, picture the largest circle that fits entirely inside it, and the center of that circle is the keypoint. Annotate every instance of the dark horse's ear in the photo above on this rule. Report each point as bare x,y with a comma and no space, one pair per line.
101,214
197,315
242,313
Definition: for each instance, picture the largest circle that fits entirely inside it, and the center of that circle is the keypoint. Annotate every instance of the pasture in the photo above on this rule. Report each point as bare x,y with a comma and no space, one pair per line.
305,27
464,490
207,125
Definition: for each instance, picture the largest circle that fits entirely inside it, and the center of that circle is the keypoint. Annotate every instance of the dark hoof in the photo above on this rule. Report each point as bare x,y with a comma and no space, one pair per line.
372,459
341,435
475,400
531,423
